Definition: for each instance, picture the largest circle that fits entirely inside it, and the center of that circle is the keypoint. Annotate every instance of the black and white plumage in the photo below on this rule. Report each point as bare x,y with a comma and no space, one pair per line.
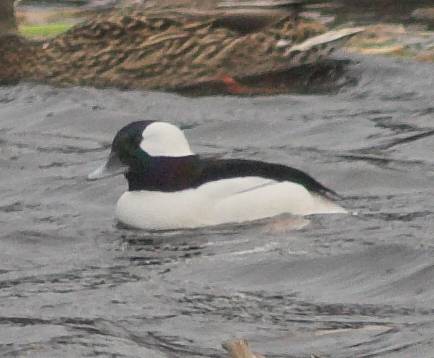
170,187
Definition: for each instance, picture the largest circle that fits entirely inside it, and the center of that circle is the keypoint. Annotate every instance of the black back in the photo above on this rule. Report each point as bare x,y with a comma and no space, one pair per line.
170,174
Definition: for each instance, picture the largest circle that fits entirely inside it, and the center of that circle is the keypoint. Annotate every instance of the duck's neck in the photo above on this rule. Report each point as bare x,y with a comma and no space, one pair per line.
166,174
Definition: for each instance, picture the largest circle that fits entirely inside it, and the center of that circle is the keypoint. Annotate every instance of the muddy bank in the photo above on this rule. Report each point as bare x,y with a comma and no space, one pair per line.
395,40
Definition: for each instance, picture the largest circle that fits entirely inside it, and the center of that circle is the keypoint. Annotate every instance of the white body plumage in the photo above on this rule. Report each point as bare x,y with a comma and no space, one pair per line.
224,201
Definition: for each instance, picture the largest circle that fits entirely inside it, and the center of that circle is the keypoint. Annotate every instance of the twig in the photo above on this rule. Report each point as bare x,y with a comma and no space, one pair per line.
239,348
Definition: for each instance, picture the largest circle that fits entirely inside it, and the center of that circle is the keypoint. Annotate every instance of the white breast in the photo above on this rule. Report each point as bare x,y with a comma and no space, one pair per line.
218,202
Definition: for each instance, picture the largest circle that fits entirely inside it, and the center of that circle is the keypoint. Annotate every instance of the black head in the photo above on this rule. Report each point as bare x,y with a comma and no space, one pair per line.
126,146
136,144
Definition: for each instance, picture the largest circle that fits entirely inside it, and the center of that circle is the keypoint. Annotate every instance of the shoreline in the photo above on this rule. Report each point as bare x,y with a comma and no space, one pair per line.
413,39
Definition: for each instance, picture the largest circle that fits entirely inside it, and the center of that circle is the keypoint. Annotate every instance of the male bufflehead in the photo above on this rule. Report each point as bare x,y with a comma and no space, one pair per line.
170,187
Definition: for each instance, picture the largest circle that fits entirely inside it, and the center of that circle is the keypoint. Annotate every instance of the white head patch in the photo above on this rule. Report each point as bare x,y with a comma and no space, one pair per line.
164,139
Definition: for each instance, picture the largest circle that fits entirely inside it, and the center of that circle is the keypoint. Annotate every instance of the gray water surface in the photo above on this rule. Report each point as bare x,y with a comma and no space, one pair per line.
74,284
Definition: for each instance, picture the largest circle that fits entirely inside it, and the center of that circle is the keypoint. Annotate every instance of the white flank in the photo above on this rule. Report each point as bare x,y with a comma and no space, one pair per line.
222,201
164,139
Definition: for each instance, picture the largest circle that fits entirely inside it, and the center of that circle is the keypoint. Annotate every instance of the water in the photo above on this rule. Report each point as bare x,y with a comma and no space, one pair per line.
73,284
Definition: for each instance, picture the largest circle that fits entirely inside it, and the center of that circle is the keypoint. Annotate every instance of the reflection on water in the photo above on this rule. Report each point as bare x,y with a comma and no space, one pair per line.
74,283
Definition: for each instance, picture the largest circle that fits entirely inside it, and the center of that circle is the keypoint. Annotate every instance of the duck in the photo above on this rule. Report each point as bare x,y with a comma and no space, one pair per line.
170,187
173,49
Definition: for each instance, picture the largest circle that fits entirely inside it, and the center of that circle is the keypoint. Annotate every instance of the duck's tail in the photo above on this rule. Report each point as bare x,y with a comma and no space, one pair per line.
318,47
